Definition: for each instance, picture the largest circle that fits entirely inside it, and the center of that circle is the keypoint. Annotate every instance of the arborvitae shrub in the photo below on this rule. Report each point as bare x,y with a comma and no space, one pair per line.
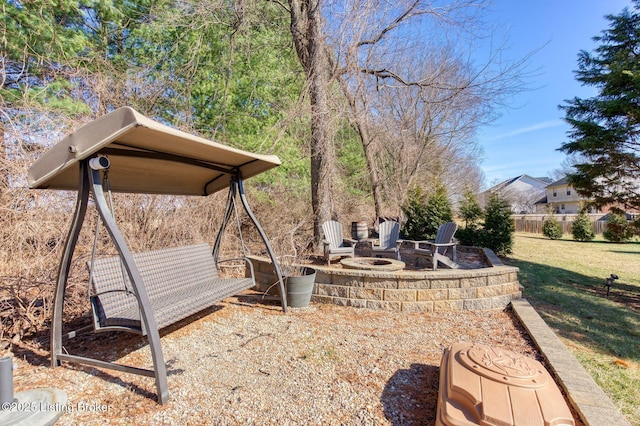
415,212
470,236
618,229
438,211
471,212
424,219
552,229
582,229
498,226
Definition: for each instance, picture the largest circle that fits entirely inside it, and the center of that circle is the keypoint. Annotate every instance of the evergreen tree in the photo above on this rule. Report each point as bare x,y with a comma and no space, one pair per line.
582,229
618,229
498,226
415,212
423,219
551,228
438,211
606,127
470,209
44,44
471,212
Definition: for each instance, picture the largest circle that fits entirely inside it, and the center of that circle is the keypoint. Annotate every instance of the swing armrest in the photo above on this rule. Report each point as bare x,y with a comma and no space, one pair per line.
229,259
100,293
246,259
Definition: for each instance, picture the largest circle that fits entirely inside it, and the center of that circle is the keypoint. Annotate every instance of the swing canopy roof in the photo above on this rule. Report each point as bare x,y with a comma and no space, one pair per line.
146,157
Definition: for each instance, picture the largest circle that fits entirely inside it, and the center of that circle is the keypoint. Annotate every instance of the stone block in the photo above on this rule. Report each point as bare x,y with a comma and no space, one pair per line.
333,290
357,303
478,304
501,301
375,282
494,290
263,281
366,293
341,301
498,279
400,295
445,283
417,307
514,287
321,299
417,283
415,291
478,281
430,295
262,266
462,293
387,306
448,305
323,277
347,280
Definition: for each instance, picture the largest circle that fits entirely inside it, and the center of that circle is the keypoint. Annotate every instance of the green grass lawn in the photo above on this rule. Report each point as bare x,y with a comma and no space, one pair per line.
563,280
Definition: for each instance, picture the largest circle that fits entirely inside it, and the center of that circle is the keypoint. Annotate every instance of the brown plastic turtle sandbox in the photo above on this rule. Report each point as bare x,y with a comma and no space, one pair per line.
483,385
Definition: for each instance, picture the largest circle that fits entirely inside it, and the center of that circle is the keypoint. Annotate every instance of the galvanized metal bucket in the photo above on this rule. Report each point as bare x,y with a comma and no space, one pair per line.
300,288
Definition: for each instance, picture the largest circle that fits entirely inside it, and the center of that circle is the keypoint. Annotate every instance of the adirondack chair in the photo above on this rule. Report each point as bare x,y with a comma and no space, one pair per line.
335,245
438,250
388,241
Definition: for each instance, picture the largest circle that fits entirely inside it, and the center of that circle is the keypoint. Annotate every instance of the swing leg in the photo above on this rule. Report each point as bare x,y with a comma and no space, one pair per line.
90,178
65,264
236,188
276,266
146,312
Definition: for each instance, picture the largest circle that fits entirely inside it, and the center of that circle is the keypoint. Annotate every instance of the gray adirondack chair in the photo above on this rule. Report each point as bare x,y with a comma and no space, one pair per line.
439,250
335,245
389,241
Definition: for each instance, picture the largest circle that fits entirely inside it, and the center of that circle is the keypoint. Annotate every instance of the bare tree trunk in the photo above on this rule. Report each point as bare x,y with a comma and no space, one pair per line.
377,185
306,28
4,165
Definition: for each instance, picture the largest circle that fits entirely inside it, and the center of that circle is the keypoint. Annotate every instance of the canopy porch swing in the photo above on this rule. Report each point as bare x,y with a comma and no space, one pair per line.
125,151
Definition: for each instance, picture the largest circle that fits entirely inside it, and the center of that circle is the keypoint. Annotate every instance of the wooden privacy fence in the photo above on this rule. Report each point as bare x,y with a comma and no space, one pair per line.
533,223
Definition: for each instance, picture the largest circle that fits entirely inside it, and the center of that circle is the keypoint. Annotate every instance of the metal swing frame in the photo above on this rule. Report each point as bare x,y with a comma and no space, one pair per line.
90,183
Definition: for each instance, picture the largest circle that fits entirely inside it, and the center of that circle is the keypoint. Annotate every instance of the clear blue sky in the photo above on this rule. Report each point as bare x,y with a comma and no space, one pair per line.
525,137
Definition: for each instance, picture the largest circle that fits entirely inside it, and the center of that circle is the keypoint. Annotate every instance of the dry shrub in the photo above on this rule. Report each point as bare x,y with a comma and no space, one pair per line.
35,227
30,238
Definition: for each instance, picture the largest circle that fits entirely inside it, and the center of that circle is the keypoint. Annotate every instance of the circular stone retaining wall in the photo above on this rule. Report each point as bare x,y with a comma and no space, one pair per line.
492,287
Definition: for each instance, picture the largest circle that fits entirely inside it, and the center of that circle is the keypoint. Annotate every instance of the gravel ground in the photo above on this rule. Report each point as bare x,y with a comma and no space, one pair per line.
245,362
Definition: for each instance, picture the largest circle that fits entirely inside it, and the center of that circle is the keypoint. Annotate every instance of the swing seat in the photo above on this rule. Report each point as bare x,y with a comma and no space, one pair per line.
179,281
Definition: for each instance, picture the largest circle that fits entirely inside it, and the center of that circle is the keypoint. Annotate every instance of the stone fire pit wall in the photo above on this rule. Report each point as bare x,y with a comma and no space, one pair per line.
487,288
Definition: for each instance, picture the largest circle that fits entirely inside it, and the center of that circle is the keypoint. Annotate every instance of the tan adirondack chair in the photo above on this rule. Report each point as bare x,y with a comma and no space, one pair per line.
389,241
439,250
335,245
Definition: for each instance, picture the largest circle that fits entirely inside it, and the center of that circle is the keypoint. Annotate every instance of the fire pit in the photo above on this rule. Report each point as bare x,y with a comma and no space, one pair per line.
372,264
482,282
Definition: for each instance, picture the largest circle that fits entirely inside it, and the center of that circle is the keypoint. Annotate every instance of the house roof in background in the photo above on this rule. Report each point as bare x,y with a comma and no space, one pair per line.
560,182
146,157
539,183
544,179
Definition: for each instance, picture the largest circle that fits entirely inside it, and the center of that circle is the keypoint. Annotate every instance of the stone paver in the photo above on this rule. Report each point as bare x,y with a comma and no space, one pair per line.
592,404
